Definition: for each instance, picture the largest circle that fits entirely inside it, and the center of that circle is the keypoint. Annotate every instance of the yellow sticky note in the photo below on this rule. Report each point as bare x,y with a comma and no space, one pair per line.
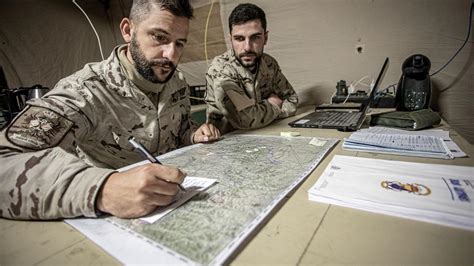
317,142
289,134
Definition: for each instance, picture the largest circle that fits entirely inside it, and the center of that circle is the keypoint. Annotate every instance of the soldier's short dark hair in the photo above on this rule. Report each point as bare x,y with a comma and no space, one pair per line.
141,8
246,12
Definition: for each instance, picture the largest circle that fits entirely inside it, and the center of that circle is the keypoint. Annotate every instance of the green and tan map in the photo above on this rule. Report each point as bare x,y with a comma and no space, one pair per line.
254,173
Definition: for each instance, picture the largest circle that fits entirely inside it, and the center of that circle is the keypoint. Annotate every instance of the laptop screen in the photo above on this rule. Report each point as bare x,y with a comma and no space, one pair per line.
374,90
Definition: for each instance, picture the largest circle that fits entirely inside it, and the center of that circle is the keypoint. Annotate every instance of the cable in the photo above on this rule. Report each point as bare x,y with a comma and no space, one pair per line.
92,25
353,86
205,32
462,46
330,99
451,59
359,82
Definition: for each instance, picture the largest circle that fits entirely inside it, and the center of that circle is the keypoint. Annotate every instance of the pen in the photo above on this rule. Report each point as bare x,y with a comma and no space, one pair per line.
150,157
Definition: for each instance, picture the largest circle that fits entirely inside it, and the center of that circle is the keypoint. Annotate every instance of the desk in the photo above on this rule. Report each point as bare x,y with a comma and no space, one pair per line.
300,232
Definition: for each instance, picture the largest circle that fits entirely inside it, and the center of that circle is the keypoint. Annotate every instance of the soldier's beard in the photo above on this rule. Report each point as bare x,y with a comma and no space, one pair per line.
248,65
145,67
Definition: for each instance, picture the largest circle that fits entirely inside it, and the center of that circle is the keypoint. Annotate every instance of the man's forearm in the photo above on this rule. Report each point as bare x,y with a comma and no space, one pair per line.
256,116
47,184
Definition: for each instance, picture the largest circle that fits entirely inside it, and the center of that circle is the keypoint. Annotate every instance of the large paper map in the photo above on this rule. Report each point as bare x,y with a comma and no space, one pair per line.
254,174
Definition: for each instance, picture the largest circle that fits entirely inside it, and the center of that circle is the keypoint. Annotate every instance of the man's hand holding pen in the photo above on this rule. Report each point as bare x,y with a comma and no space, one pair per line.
140,190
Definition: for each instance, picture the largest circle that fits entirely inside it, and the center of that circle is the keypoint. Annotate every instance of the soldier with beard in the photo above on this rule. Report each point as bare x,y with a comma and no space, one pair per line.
245,86
59,155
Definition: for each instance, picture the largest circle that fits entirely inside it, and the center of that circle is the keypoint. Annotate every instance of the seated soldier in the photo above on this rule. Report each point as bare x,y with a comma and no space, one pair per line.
58,157
245,86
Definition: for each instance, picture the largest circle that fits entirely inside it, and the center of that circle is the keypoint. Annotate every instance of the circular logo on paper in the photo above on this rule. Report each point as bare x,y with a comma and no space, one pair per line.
417,189
38,128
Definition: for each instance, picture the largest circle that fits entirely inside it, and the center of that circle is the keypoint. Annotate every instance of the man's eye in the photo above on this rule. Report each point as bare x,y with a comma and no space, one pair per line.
239,39
180,44
159,38
255,38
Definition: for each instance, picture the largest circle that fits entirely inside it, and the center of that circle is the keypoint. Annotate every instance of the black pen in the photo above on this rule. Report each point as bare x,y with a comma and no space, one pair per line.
150,157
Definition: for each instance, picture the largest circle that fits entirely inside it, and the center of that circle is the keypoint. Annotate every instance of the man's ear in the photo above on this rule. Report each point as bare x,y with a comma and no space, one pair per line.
266,37
126,29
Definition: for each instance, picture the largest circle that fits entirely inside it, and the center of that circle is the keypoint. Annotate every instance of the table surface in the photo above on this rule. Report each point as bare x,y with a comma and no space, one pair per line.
299,232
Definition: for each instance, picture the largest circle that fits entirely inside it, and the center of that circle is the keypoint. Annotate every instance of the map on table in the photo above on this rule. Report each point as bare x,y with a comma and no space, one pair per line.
254,173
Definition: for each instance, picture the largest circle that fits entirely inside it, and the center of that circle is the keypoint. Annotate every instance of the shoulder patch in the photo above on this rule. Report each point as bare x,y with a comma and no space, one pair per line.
38,128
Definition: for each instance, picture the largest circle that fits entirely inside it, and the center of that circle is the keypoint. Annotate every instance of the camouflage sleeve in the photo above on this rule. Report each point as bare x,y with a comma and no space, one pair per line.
188,126
41,176
285,91
242,111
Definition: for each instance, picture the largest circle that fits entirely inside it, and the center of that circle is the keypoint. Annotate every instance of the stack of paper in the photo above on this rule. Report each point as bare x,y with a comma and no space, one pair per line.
434,132
383,140
440,194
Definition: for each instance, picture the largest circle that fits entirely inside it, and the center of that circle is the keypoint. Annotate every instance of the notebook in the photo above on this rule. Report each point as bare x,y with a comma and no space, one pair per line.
338,119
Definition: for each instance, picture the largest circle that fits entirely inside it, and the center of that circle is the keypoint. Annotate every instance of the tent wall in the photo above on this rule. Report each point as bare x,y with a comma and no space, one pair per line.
317,43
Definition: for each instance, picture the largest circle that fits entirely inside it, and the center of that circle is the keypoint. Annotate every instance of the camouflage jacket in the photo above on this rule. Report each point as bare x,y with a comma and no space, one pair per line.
56,154
237,99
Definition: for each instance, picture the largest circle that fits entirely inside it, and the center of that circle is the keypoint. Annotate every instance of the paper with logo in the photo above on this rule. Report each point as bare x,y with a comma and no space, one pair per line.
441,194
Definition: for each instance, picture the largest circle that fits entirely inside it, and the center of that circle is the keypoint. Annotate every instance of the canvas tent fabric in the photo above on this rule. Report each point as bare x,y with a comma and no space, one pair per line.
316,42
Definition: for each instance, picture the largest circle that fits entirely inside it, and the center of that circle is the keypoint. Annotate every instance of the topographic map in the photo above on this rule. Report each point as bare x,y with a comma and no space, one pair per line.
254,174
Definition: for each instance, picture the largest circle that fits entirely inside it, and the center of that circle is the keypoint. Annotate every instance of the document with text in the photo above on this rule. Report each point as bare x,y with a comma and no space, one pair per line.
433,132
399,144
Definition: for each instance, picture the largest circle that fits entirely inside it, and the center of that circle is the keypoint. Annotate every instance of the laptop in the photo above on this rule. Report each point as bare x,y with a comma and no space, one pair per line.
338,119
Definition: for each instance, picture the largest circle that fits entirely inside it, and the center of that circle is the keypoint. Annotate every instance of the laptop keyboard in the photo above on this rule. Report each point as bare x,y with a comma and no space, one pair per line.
338,118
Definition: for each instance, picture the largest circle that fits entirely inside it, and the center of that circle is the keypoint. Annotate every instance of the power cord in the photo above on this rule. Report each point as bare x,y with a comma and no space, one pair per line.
353,86
382,92
205,32
93,28
462,46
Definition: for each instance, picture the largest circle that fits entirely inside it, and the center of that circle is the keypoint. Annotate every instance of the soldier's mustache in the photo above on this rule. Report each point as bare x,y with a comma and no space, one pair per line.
248,53
163,63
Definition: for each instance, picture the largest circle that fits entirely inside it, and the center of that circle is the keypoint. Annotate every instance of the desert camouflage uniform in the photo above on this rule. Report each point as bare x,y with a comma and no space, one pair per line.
237,99
56,154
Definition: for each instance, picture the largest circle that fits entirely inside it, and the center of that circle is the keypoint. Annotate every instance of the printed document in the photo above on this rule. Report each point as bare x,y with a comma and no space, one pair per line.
434,132
441,194
400,144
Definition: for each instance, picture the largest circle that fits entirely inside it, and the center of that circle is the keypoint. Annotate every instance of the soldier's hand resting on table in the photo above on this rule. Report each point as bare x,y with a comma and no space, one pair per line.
205,133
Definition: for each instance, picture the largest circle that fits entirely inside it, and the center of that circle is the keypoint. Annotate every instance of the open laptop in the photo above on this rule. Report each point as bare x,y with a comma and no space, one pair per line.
341,120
